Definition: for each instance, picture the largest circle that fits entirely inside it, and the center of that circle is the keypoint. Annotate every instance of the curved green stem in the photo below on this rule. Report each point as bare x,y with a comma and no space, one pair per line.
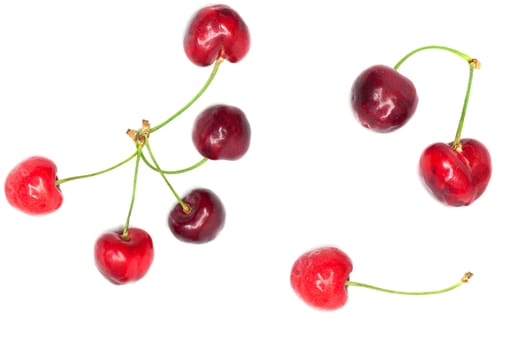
463,280
173,172
125,235
473,63
458,53
157,168
61,181
194,99
464,107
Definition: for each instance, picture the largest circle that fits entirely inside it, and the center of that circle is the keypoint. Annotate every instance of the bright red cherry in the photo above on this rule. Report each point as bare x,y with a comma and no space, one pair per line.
318,277
124,260
30,186
383,100
222,132
202,222
456,176
214,32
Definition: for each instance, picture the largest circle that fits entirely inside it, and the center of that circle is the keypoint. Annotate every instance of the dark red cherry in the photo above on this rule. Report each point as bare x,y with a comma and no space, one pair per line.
202,222
383,100
222,132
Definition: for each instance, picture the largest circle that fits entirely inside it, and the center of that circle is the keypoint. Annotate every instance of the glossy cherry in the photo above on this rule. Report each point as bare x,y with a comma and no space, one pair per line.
30,186
222,132
319,275
123,260
203,220
456,176
382,99
215,32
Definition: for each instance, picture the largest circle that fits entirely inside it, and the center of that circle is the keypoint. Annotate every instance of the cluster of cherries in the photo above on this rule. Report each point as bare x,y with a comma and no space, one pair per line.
455,173
383,100
220,132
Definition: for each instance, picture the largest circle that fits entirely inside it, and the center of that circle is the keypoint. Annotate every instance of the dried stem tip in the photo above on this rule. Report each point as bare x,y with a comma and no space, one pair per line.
466,277
475,62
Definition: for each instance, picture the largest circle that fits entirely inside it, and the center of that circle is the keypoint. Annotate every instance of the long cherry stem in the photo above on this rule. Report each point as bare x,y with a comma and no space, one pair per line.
61,181
125,235
184,206
473,64
465,57
194,99
173,172
463,280
464,106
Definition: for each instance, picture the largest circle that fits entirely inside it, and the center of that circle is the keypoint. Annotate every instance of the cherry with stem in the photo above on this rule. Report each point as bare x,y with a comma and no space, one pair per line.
456,173
321,277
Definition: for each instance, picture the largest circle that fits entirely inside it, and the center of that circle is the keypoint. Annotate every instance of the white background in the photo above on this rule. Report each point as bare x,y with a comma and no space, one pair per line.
75,75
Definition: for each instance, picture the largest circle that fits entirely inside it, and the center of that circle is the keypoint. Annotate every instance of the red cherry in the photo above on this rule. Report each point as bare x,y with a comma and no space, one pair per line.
124,260
204,220
214,32
30,186
222,132
383,100
318,277
456,176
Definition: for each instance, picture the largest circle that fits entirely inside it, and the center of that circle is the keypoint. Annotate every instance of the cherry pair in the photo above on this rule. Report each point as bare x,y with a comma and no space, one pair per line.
456,173
221,132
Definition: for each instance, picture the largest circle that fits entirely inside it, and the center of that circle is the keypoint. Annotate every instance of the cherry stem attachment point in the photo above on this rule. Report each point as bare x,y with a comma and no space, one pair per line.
61,181
125,235
194,99
184,206
462,281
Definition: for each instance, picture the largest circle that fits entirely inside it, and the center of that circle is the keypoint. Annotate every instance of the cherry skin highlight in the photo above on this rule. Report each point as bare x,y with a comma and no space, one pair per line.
123,261
456,177
204,220
318,277
215,32
30,186
382,99
222,132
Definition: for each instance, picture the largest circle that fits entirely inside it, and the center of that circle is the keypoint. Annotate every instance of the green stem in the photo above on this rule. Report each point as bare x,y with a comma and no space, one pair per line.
157,168
464,107
61,181
125,235
463,280
456,52
173,172
194,99
473,63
